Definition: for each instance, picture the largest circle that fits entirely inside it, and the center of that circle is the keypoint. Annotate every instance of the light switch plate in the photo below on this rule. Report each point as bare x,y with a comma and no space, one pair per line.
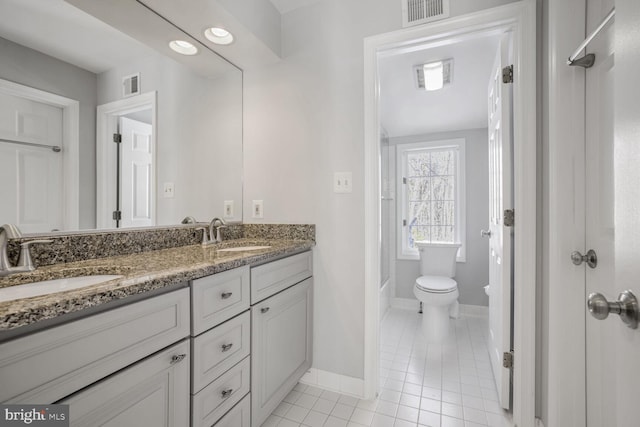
257,209
168,190
342,182
228,209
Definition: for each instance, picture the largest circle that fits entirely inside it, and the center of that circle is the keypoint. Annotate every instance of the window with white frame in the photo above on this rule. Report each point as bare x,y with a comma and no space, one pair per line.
431,195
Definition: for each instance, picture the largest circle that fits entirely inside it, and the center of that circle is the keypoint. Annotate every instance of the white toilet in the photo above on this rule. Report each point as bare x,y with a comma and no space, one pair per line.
436,289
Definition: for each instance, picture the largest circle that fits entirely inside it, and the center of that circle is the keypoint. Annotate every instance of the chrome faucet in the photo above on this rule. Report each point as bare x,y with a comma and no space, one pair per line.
214,235
10,231
217,224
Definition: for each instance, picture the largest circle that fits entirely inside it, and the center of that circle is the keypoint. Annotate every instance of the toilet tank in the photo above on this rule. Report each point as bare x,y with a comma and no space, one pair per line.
438,259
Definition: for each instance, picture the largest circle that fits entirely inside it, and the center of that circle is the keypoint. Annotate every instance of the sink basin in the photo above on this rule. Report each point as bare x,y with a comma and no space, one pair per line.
243,248
46,287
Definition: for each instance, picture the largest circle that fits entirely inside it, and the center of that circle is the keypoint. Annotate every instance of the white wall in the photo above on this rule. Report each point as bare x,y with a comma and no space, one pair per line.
473,274
303,122
31,68
198,137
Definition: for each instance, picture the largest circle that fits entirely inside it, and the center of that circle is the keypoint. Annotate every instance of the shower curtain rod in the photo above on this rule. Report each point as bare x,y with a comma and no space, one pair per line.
588,60
55,148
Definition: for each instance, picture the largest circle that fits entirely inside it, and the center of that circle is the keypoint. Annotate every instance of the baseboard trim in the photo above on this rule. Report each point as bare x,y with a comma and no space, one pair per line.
474,310
539,423
334,382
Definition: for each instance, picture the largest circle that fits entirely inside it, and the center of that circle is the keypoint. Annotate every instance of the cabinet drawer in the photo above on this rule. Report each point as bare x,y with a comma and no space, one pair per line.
210,403
271,278
219,297
49,365
153,392
219,349
239,416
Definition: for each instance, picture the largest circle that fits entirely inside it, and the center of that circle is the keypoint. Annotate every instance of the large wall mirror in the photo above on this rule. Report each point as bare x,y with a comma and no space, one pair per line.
70,81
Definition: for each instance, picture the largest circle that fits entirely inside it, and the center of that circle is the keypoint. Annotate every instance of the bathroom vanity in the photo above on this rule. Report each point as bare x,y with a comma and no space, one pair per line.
221,348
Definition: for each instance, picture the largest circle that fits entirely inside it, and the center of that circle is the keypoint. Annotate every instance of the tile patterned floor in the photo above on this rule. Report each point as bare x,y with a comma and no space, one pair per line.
445,385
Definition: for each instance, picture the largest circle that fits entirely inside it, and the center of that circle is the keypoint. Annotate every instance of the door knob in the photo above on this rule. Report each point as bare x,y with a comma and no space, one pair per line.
485,233
626,306
590,258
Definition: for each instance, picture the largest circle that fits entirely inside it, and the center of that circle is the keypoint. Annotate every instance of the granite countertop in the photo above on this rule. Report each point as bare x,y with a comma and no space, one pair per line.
142,272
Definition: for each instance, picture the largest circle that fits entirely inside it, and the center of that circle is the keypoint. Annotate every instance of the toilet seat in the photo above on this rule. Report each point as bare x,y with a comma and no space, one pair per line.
436,284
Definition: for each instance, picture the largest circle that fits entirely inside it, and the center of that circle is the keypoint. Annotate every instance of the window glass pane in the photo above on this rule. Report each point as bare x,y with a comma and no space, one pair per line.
442,234
418,163
418,188
443,188
443,162
443,213
418,233
419,213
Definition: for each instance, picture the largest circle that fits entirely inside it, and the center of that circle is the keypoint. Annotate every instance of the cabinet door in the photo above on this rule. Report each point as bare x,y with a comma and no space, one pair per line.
153,392
281,347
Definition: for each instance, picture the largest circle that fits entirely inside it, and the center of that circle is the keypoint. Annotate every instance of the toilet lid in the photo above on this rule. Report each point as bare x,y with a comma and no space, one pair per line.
439,284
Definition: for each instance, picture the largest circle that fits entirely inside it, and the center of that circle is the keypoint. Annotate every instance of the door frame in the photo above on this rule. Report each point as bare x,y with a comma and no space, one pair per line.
70,145
106,126
520,18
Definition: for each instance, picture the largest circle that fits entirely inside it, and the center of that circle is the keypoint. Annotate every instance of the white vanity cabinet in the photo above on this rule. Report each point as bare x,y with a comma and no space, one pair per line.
281,332
220,344
47,366
153,392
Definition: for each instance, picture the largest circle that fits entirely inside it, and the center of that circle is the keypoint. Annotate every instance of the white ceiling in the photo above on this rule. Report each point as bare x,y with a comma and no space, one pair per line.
53,27
406,110
285,6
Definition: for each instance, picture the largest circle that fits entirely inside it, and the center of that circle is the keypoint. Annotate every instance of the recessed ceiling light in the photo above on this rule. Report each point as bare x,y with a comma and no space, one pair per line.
218,35
183,47
434,75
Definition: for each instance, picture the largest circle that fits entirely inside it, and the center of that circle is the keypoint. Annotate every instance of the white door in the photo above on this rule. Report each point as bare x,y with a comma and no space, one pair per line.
31,177
137,195
612,223
500,239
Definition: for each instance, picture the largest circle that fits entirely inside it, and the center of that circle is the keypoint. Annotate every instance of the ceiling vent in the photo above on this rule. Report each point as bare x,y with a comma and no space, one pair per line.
416,12
131,85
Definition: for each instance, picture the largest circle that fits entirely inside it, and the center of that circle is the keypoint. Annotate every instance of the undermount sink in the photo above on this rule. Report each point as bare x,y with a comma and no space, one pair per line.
243,248
46,287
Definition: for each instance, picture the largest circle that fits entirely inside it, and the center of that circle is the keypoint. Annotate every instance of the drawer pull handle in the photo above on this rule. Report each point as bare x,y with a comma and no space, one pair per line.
177,358
264,309
226,295
226,393
226,347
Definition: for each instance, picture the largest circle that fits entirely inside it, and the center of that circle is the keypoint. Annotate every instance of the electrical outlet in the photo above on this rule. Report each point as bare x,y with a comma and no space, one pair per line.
168,190
228,209
256,210
342,182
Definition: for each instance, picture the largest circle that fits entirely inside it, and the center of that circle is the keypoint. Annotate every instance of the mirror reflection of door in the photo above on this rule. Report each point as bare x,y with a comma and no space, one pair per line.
30,163
136,166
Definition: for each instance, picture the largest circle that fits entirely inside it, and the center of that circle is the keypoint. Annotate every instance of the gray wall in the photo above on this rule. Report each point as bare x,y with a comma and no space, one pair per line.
473,274
31,68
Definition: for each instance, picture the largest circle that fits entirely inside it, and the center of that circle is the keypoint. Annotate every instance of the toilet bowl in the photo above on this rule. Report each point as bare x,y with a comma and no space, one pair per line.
436,289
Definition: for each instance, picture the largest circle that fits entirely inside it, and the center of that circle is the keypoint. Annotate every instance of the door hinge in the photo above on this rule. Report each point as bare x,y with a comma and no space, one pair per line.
404,180
507,74
117,215
404,222
117,138
509,218
507,359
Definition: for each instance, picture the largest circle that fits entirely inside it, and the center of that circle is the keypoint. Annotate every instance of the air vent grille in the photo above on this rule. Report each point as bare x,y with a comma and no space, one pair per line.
131,85
415,12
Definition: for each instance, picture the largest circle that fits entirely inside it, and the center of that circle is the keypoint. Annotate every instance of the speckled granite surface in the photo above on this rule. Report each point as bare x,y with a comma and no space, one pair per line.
142,272
74,247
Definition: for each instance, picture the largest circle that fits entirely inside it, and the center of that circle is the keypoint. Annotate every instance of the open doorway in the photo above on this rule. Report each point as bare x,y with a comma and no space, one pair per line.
126,162
518,20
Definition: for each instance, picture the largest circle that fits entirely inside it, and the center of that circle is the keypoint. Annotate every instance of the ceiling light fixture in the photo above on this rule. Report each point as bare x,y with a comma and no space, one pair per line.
434,75
183,47
218,35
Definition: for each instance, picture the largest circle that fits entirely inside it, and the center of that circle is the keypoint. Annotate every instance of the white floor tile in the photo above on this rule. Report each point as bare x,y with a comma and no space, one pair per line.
445,385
